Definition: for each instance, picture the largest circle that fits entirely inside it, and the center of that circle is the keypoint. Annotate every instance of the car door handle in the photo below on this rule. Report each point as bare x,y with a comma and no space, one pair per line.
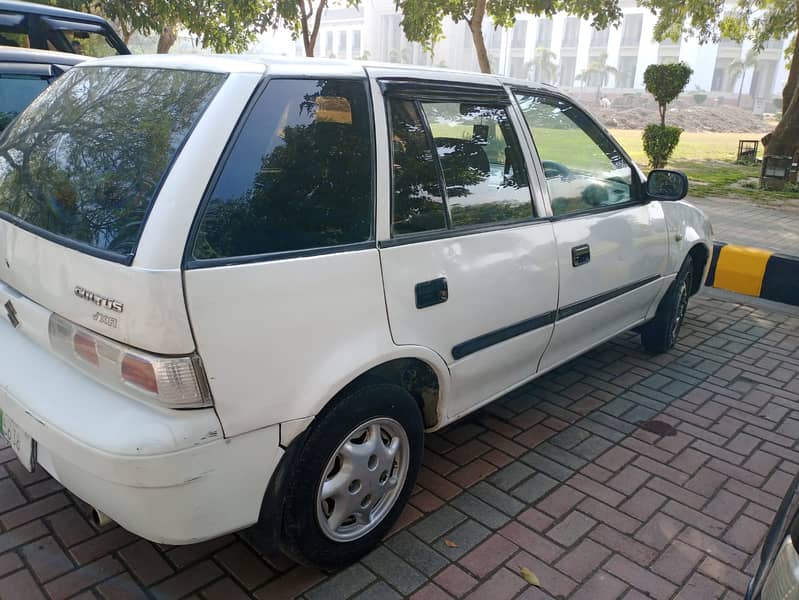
430,293
581,255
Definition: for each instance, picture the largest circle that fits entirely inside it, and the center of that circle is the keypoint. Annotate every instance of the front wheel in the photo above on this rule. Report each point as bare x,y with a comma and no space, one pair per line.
660,334
353,476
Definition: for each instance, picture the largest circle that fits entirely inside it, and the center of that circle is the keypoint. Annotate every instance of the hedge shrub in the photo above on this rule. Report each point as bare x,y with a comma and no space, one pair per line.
659,143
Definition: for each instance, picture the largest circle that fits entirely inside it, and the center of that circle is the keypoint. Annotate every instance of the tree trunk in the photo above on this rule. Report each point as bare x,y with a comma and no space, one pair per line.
310,31
784,140
126,33
476,27
167,39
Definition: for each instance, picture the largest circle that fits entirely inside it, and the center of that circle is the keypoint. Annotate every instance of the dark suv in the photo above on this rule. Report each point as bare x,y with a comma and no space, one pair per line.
24,74
26,25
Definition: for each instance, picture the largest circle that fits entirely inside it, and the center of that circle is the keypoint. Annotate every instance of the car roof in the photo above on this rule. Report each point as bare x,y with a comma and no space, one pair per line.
49,11
285,65
10,54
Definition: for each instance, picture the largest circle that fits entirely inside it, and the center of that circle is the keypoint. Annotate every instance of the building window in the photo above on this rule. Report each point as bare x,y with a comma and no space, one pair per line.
626,76
571,32
356,43
342,44
329,43
519,34
599,38
544,37
631,32
568,65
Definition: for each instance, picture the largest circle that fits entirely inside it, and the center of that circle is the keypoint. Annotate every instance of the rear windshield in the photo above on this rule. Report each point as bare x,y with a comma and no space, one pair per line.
85,160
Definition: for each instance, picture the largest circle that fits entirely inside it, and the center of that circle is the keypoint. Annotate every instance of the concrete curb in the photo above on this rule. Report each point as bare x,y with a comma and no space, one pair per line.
755,272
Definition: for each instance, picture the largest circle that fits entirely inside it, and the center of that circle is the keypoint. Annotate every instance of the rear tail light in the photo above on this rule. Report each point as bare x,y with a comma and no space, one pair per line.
174,382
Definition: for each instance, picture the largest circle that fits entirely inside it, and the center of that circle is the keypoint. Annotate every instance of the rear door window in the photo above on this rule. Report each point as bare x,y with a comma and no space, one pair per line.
481,162
298,176
16,92
84,161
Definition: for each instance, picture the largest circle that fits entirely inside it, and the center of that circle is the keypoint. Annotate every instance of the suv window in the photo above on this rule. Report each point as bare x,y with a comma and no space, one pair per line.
299,175
16,92
85,160
418,200
484,173
584,168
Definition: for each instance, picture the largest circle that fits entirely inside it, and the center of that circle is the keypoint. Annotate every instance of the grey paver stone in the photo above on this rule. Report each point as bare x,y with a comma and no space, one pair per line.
417,553
510,476
480,511
561,456
378,591
437,523
343,585
464,537
497,498
535,487
545,465
394,570
592,447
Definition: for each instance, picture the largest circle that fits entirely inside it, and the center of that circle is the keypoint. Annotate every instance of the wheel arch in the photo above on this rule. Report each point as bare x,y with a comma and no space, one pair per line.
700,256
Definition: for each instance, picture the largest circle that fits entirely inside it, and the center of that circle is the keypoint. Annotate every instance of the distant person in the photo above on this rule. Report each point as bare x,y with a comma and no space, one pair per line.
77,47
604,102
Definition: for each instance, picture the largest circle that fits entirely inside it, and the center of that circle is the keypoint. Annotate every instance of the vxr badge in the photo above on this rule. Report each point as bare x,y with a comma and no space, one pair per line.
12,314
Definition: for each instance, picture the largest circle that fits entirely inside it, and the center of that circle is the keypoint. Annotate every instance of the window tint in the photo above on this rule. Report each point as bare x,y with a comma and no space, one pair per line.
583,167
484,173
16,92
418,202
85,159
299,175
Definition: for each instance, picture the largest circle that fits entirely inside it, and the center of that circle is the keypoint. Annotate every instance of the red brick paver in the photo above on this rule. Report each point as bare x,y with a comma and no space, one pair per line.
556,477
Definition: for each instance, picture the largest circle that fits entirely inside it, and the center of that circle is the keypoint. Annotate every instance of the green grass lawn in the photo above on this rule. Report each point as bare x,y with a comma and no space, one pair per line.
709,161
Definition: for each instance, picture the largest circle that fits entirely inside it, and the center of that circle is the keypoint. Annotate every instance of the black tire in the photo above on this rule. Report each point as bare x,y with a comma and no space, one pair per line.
661,333
303,538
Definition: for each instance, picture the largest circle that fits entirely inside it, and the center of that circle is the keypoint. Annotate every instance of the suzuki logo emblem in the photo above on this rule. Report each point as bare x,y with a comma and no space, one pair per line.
12,314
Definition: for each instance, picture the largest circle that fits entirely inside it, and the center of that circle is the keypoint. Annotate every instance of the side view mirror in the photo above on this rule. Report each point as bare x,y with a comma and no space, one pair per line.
668,185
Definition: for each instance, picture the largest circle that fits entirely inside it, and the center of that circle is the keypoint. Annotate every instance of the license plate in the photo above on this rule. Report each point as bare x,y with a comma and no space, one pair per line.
22,443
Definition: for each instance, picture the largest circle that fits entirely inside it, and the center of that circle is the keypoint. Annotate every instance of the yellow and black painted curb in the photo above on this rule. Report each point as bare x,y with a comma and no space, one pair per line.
755,272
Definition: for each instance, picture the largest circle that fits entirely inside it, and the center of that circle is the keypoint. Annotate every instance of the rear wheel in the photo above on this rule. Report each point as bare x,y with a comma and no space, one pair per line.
353,476
661,333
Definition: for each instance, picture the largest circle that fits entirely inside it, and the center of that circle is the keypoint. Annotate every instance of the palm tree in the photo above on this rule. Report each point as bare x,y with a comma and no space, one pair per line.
600,70
544,65
739,67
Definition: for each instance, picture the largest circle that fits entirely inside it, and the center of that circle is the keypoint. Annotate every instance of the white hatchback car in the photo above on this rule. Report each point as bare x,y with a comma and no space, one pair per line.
238,291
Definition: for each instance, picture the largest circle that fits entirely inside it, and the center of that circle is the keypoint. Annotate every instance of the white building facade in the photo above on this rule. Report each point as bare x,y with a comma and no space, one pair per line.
373,32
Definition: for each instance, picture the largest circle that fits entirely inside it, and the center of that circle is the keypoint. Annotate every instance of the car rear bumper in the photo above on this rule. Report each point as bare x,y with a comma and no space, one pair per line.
163,474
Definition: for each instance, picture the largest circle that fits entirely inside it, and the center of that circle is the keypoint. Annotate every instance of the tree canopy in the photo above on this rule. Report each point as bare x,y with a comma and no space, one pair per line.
423,19
756,20
665,82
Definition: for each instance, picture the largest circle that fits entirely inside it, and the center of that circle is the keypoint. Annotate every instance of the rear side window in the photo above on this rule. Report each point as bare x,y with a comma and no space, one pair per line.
455,165
418,200
481,163
85,160
16,92
298,176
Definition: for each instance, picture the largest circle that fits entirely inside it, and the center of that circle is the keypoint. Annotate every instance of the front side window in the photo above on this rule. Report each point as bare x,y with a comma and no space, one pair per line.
583,167
481,162
299,174
16,92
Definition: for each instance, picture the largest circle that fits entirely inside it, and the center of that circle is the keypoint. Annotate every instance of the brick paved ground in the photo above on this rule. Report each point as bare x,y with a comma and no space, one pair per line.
744,222
556,477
